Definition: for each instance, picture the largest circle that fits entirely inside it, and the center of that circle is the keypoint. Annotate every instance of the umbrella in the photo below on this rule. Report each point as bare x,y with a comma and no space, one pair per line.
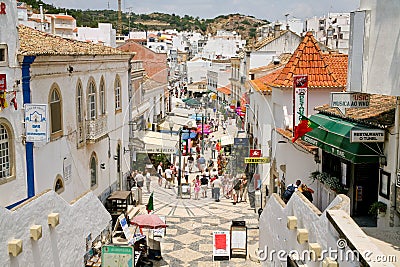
151,221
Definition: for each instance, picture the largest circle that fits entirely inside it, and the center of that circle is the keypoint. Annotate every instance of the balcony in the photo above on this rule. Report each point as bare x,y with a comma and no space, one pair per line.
64,26
95,129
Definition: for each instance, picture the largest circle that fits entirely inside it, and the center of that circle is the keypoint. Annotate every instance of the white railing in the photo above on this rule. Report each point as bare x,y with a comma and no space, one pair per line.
96,128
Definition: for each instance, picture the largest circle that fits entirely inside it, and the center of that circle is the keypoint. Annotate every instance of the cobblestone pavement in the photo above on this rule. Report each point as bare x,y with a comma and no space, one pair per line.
188,239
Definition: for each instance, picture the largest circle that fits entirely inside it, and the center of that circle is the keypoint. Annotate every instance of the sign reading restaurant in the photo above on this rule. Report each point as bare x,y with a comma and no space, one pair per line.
363,136
300,98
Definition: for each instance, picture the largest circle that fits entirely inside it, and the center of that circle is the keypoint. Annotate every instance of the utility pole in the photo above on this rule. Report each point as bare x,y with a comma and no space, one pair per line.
129,20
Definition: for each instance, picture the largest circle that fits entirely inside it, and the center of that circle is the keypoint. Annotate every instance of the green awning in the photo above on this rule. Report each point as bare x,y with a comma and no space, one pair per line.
333,136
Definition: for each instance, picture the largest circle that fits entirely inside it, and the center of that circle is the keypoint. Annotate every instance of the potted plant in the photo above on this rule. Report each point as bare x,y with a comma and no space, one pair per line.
378,208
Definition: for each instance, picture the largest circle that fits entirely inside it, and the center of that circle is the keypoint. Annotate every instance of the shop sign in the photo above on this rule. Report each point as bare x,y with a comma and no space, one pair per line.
241,141
116,256
157,150
300,98
369,136
255,153
258,160
3,82
343,100
221,244
2,8
36,122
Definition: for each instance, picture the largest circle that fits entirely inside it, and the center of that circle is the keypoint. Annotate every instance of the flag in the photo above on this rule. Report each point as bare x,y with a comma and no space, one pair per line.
149,206
305,126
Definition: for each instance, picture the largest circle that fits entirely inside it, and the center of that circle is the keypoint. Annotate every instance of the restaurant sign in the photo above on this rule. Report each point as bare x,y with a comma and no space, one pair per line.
3,82
370,136
257,160
2,8
300,98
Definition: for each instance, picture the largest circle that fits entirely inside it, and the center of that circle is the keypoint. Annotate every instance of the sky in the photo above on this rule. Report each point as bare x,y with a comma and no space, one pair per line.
262,9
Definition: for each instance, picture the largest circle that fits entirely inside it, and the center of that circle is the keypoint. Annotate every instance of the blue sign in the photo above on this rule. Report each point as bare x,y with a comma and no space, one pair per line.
241,142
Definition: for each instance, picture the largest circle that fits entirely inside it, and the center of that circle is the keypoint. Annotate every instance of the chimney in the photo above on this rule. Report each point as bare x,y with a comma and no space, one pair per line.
277,29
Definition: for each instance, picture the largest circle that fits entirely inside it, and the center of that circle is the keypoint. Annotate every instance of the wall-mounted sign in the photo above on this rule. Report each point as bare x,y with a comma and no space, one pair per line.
3,82
398,179
258,160
300,98
255,153
2,8
343,100
367,136
36,122
241,141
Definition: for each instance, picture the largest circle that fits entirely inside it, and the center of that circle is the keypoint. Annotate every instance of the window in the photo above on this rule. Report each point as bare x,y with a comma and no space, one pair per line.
384,184
91,101
5,170
93,171
55,112
102,97
59,185
3,53
79,101
117,93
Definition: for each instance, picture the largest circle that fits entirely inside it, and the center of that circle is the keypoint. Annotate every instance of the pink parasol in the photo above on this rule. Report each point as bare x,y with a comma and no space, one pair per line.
151,221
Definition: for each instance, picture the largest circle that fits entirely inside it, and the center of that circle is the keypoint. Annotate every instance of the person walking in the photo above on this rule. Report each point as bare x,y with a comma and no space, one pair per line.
204,186
187,171
160,173
139,182
190,162
148,180
197,185
168,177
216,185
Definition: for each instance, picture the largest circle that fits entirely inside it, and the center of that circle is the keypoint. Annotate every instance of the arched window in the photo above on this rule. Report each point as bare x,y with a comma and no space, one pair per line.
102,97
5,157
91,101
55,112
79,103
93,170
59,185
117,89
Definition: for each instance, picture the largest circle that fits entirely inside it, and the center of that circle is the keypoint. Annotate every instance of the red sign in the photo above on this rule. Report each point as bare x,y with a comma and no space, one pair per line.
3,82
300,81
2,8
255,153
220,241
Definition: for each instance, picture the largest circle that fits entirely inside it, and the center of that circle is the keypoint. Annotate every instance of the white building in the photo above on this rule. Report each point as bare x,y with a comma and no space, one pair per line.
223,45
332,30
104,34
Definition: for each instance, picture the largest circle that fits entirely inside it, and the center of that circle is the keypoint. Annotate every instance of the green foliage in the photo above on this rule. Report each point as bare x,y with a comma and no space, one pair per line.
330,181
377,207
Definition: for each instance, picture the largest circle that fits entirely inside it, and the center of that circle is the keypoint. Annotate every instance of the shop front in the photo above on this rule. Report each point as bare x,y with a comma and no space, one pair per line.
351,158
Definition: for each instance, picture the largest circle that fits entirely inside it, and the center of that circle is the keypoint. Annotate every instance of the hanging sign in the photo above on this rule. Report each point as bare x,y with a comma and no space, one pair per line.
2,8
36,122
257,160
3,82
300,98
343,100
255,153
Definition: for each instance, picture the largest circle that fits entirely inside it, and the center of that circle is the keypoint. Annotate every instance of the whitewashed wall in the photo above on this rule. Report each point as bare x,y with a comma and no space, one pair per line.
9,36
275,235
48,158
62,246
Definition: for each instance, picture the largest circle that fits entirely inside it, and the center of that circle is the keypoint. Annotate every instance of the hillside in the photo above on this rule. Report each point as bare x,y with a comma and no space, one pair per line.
244,25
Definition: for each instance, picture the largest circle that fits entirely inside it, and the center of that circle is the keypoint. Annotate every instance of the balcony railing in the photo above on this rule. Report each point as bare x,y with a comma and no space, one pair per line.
95,129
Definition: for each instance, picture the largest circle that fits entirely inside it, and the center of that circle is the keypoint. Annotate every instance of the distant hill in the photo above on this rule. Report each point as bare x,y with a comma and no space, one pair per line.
244,25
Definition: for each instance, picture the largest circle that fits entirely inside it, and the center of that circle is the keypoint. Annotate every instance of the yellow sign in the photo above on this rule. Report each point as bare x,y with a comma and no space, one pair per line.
256,160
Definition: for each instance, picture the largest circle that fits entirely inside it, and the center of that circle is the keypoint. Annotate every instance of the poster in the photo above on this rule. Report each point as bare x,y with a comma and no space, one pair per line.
112,256
221,244
239,238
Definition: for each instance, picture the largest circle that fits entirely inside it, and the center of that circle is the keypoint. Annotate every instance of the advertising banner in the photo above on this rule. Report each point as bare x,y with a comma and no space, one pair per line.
300,98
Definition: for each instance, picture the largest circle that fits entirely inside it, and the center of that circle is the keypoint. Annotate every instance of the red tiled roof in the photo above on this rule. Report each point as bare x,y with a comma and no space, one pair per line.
225,90
67,17
308,59
338,64
262,84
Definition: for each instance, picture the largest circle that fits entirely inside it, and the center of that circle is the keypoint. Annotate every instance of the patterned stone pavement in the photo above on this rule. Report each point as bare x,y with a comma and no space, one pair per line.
188,239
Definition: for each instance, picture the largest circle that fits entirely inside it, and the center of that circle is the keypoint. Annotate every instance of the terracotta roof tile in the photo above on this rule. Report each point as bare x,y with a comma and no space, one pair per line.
289,135
380,113
37,43
261,84
324,70
225,90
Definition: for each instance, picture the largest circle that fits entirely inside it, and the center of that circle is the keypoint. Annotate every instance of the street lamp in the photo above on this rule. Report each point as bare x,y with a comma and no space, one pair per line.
188,126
